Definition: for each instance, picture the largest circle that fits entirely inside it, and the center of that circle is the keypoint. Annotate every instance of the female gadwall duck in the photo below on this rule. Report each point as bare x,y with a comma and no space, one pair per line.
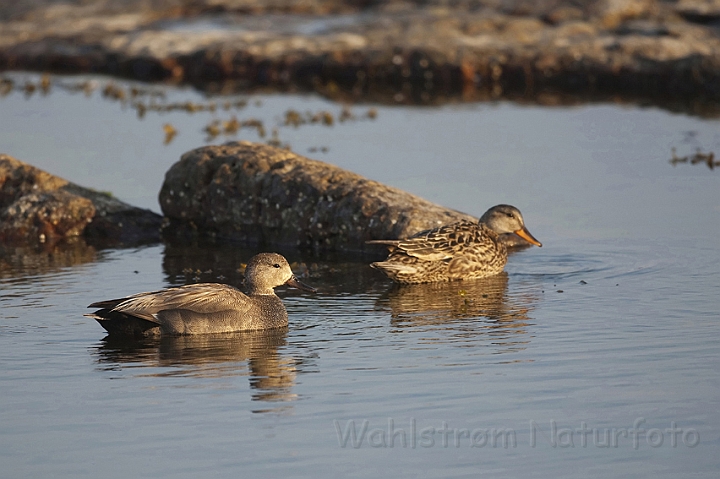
205,307
463,250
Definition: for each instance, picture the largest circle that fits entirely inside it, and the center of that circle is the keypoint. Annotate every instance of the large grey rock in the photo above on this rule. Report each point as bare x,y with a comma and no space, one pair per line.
259,194
37,207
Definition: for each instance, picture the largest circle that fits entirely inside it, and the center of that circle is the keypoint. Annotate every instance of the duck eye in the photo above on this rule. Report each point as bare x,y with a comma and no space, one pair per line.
276,265
509,215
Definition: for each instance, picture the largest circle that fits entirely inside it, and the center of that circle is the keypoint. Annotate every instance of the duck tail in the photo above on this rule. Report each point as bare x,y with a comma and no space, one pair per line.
117,323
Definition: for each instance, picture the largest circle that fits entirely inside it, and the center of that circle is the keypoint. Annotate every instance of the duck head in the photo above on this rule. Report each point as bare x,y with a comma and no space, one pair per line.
265,271
507,219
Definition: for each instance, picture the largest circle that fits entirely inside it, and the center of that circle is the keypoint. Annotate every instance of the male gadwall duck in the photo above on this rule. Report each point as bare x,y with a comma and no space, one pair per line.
205,307
462,250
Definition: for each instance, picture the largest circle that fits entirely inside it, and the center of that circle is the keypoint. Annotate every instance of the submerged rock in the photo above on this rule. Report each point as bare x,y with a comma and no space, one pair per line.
260,194
37,207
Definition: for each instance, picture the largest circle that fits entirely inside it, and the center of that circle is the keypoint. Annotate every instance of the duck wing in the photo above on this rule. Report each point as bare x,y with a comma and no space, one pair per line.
199,298
445,242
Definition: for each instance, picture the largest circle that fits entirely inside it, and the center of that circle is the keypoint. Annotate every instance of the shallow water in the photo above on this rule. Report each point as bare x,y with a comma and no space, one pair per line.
595,355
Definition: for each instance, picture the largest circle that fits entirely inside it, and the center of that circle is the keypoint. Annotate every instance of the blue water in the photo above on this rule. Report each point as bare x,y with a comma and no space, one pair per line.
593,356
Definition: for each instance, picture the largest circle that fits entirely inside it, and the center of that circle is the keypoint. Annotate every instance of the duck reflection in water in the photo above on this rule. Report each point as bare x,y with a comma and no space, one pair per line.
255,354
464,311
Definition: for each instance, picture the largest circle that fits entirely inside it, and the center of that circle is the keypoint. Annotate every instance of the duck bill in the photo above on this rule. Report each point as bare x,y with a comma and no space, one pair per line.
297,284
525,234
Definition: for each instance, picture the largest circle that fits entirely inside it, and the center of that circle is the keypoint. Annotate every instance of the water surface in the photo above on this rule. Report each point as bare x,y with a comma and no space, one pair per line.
595,355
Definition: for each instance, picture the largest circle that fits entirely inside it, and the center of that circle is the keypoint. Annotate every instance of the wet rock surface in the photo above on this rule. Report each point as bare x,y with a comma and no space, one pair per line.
545,51
37,207
262,195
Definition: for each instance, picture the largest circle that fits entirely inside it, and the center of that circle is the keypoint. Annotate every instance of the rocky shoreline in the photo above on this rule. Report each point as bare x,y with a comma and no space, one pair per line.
548,51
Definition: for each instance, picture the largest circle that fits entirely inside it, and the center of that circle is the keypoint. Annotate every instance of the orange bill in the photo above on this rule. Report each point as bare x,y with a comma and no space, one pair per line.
525,234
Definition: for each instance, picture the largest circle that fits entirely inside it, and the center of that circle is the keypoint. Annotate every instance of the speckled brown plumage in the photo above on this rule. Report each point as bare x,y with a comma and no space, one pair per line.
463,250
205,307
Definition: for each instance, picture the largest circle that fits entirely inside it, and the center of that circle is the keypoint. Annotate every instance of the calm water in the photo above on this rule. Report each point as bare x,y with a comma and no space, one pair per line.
596,355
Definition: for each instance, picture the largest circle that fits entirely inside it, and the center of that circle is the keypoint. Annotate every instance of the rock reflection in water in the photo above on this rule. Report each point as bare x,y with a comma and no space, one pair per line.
465,310
23,260
251,353
218,261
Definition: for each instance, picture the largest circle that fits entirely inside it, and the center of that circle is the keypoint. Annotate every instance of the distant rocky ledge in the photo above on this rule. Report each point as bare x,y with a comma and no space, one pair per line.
548,51
259,194
37,207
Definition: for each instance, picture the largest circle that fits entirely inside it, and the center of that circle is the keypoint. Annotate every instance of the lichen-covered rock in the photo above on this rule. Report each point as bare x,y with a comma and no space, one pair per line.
37,207
259,194
45,216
